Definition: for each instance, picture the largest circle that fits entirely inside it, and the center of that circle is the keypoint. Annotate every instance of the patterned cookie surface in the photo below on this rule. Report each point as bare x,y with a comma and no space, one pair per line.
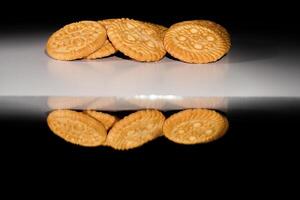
107,49
195,126
76,40
216,27
106,119
136,39
196,42
77,128
161,30
136,129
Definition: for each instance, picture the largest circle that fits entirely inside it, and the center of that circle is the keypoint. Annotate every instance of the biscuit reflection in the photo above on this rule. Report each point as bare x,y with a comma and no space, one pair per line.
104,103
209,73
170,77
55,103
146,103
83,70
216,103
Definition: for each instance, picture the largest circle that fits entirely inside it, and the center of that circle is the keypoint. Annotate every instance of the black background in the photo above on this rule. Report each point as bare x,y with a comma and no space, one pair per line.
258,140
242,15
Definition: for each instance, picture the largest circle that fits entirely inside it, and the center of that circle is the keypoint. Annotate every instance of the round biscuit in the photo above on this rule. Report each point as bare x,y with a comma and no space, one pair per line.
136,39
136,129
196,42
76,40
77,128
194,126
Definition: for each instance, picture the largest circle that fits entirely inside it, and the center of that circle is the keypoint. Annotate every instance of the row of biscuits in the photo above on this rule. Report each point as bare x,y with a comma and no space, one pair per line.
195,41
94,128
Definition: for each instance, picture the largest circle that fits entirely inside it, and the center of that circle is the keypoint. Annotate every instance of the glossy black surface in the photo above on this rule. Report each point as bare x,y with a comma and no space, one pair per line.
266,132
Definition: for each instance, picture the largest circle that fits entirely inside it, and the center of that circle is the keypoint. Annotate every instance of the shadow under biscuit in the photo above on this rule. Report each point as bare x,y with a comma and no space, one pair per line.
171,57
121,55
97,59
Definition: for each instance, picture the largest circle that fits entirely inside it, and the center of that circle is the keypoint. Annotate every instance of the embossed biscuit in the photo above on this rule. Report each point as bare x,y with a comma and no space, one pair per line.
136,39
216,27
107,49
195,126
107,22
106,119
76,40
196,42
77,128
136,129
161,30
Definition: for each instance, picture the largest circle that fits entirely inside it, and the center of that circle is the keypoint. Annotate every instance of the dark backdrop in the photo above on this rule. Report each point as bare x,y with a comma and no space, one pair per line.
232,14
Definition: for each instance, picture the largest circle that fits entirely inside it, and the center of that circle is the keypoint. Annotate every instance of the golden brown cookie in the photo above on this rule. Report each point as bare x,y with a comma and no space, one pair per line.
107,22
217,27
195,126
77,128
161,30
107,49
106,119
196,41
136,39
76,40
136,129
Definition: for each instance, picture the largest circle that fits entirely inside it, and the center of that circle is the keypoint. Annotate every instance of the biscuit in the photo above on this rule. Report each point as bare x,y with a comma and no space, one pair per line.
136,129
195,126
196,41
106,22
76,40
106,119
216,27
77,128
107,49
161,30
136,39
